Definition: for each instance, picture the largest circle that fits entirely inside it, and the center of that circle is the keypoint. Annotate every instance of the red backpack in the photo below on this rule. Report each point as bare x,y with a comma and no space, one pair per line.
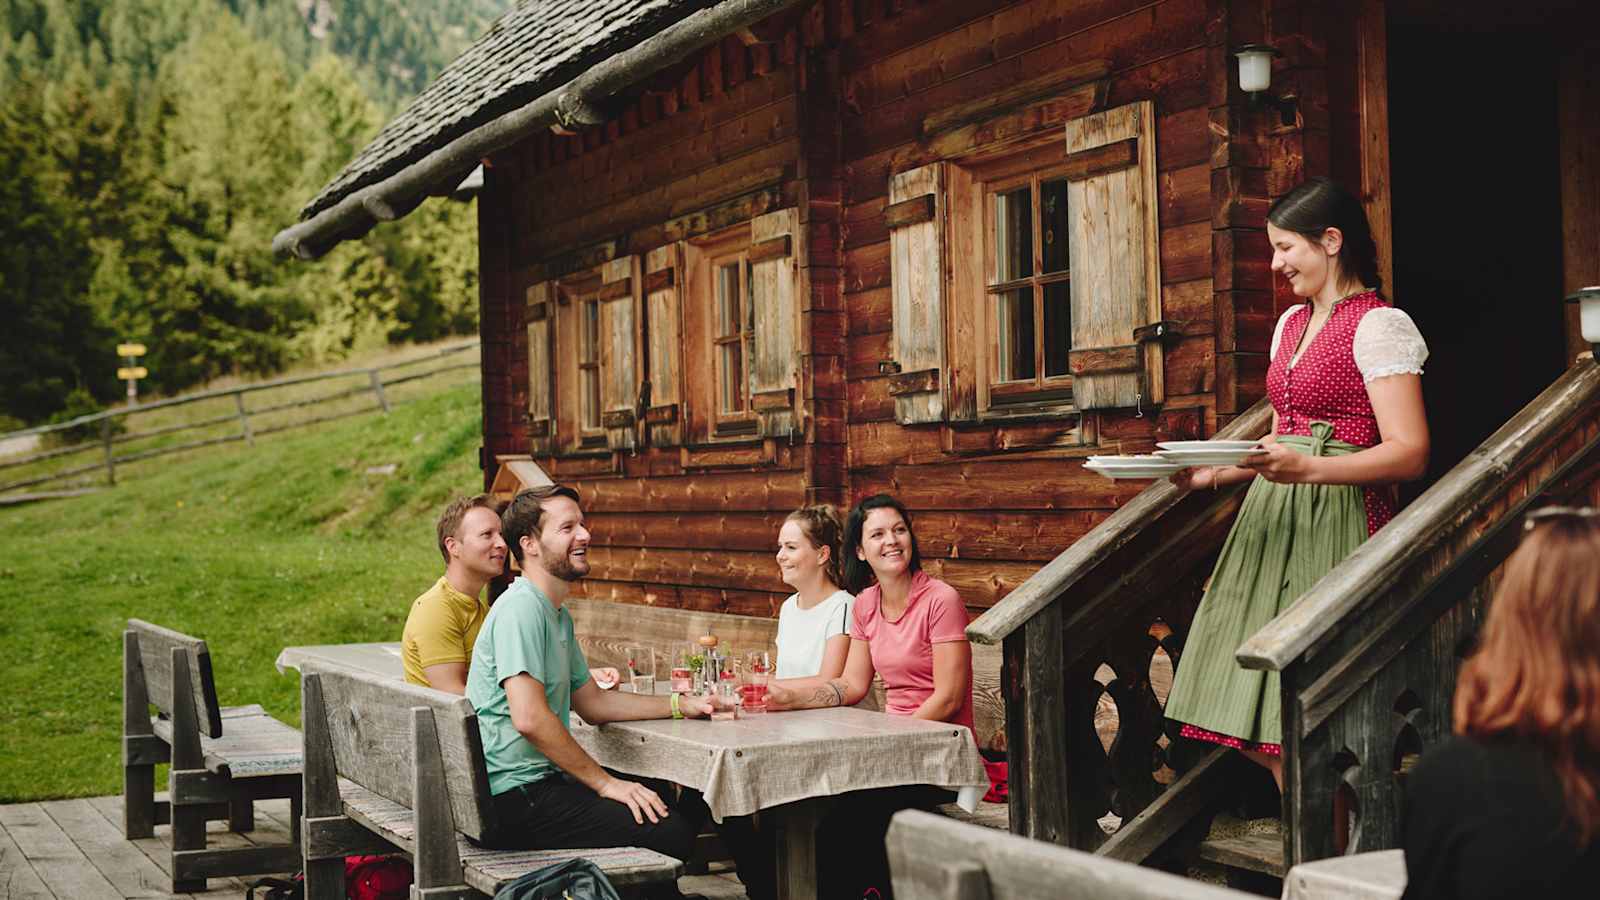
377,878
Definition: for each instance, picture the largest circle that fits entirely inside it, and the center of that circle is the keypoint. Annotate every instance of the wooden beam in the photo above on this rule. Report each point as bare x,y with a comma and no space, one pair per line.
923,381
1372,49
1103,360
1057,81
1103,159
659,280
1144,834
615,290
779,247
909,212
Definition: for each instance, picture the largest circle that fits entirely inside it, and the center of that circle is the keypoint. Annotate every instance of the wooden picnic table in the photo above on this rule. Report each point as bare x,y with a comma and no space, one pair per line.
1378,875
787,763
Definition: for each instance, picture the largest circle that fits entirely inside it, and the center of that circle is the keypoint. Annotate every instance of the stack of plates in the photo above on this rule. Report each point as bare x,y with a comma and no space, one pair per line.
1207,453
1132,466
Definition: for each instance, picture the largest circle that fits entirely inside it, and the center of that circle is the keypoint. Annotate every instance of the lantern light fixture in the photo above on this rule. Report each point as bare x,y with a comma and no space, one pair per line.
1588,301
1255,78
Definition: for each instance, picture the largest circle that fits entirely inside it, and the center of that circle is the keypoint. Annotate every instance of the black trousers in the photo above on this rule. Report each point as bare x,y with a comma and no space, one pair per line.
557,813
851,856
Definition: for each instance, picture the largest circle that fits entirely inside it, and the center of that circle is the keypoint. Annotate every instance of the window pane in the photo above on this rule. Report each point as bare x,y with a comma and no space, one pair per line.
1053,221
1013,234
1016,335
728,299
590,344
732,376
1057,328
591,398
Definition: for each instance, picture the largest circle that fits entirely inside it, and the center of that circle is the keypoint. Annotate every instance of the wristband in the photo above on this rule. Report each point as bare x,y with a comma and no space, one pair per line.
676,712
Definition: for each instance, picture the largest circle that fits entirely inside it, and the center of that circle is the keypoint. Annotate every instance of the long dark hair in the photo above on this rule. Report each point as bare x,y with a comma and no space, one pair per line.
857,574
1321,203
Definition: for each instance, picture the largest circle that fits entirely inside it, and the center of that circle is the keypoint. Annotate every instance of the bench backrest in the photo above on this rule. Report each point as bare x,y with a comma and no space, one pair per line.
932,856
369,724
155,646
605,630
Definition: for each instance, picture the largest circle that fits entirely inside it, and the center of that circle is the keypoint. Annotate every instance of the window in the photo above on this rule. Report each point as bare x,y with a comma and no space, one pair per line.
589,366
733,333
1029,306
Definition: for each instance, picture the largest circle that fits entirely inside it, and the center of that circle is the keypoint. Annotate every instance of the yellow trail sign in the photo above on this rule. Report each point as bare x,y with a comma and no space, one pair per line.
135,372
130,349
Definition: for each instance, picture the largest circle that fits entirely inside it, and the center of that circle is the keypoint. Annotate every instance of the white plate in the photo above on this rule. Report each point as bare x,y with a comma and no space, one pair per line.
1135,461
1183,446
1125,472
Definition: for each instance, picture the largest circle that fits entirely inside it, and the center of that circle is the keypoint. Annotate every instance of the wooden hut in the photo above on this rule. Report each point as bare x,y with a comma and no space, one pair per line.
738,256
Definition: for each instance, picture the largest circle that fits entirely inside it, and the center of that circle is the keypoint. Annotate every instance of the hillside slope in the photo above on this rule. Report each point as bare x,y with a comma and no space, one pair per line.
291,542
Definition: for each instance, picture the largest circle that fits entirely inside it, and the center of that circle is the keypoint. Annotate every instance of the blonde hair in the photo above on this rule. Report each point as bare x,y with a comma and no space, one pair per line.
822,527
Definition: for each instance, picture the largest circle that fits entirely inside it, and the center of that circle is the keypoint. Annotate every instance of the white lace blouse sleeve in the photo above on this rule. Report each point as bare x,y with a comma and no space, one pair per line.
1387,343
1277,332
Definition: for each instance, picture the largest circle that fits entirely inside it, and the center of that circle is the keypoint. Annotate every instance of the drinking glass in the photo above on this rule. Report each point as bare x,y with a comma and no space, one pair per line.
728,695
642,669
683,668
757,676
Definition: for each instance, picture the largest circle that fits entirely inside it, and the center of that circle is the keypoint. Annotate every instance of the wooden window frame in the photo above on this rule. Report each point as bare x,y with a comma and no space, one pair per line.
576,295
1041,158
701,391
742,420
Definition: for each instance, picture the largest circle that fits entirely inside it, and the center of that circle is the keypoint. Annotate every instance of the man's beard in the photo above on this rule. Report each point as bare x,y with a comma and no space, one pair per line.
560,565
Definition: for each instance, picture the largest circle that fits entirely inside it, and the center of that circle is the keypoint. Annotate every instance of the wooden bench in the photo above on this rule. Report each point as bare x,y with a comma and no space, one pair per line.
605,630
392,766
223,759
936,857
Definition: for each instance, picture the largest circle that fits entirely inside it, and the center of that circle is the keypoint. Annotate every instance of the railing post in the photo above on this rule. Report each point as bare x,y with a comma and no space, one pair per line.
1036,728
105,438
377,388
244,419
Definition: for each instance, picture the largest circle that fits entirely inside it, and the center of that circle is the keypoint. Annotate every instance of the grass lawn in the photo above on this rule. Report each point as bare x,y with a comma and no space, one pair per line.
253,549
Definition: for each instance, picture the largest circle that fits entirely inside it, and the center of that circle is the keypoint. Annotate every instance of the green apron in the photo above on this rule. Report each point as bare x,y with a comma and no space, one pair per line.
1286,537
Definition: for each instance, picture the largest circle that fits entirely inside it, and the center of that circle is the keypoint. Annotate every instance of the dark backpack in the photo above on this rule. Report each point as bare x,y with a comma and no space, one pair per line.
278,888
575,879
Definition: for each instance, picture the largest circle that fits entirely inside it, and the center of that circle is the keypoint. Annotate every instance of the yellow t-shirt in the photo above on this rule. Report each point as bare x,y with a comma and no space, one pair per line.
441,628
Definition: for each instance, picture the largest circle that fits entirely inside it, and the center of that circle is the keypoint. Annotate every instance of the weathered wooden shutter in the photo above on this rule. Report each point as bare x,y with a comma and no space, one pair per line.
775,320
663,411
1115,258
915,216
539,314
618,351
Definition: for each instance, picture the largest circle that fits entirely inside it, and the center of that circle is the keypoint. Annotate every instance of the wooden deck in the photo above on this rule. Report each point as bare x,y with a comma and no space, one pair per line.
74,850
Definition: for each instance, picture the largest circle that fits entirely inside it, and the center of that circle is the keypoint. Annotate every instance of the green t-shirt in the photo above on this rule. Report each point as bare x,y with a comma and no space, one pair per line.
524,632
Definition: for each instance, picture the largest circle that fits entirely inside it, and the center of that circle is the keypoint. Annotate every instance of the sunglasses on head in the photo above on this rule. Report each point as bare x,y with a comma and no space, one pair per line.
1558,512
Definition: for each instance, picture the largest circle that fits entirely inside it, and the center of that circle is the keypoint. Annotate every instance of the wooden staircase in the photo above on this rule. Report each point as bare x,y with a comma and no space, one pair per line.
1367,658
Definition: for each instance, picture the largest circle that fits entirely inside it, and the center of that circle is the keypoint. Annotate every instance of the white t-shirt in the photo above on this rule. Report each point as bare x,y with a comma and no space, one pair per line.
803,633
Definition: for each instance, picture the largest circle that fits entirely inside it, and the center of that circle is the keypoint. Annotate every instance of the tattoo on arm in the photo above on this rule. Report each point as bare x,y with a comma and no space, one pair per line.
830,694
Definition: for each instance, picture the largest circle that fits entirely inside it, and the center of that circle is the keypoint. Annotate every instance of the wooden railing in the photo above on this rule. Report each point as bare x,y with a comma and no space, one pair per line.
1104,601
242,423
1368,656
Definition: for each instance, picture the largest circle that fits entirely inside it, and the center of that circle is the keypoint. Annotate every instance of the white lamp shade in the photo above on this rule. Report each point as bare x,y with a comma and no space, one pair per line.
1255,68
1589,313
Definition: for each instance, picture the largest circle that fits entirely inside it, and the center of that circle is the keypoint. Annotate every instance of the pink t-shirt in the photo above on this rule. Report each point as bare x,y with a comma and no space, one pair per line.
902,651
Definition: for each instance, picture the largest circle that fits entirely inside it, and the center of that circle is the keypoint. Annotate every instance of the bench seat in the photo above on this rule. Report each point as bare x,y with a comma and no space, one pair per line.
253,744
489,870
989,815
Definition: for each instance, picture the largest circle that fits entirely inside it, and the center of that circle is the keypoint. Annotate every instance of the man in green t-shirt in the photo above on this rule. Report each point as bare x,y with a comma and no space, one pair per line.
528,674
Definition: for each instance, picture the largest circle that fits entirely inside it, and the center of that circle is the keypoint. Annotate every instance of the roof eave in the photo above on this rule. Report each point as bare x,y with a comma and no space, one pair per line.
578,102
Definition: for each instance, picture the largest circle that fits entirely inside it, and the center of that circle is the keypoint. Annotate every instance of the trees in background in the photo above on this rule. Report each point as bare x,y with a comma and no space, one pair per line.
149,150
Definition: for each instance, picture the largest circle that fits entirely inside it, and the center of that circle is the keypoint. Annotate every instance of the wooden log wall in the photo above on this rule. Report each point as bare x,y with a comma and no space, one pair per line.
815,110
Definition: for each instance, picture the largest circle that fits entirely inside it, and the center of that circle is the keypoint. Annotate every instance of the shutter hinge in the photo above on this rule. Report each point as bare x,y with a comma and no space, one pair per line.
1167,331
888,367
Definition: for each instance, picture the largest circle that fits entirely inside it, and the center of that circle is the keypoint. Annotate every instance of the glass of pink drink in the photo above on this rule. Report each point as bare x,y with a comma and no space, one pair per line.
757,676
682,672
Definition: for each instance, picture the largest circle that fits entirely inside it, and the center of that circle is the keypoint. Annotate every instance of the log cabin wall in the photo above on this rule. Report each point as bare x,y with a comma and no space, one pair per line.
814,112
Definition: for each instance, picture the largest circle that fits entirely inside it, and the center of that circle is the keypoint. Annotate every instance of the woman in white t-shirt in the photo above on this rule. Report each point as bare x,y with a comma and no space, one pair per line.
814,624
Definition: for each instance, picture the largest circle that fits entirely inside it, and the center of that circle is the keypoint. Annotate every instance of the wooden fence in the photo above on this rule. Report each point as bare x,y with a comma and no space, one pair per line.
240,423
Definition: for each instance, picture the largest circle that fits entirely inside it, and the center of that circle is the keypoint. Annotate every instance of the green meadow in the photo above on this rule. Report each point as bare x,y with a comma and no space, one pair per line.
301,539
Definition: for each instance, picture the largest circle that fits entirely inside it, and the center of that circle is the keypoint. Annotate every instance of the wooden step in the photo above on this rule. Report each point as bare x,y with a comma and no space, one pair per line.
1254,852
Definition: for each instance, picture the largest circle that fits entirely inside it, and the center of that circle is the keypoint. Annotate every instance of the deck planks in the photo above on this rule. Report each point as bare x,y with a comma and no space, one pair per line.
54,857
128,870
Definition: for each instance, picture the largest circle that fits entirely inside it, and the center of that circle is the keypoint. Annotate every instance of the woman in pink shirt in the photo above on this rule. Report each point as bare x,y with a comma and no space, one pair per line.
910,628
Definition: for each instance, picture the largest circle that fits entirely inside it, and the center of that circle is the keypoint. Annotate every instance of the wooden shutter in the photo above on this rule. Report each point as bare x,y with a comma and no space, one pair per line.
775,320
915,216
539,314
1116,258
663,280
618,351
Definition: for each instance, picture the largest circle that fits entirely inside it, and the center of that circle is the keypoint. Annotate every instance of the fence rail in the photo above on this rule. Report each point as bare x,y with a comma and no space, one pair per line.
248,420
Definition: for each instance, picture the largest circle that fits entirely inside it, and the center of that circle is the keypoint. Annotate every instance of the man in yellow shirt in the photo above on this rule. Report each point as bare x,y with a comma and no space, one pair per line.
442,627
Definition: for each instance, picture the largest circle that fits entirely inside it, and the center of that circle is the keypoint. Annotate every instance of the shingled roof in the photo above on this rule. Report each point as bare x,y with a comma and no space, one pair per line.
532,49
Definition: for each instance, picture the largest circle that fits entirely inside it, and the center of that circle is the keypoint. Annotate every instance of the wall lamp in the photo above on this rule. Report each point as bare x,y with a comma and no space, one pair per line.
1588,301
1255,77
